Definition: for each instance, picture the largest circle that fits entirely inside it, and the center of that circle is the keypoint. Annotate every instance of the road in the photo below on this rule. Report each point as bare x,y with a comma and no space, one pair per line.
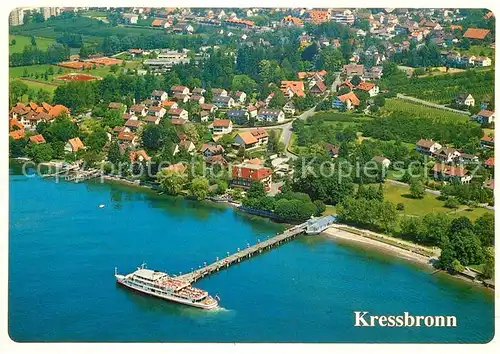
430,104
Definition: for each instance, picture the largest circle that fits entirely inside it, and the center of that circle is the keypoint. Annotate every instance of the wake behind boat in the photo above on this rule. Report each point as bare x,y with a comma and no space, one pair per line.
159,284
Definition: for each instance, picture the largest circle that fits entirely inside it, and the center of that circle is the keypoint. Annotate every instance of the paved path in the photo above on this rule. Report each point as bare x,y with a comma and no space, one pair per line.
430,104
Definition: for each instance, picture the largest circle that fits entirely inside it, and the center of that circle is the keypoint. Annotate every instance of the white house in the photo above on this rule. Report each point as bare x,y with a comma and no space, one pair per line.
271,115
159,95
138,110
178,113
222,126
157,111
427,146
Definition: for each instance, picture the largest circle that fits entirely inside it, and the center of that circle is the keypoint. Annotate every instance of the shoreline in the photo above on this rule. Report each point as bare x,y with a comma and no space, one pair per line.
345,233
344,236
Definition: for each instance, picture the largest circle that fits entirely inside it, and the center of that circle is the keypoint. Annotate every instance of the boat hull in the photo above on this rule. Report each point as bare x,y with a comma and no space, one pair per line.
121,280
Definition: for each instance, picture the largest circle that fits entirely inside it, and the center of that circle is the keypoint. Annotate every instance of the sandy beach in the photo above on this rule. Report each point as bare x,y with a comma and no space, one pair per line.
340,234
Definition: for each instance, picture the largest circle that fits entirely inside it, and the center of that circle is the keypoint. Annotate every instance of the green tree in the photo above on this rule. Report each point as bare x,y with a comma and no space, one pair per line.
114,154
96,140
39,152
489,263
484,228
171,181
256,190
417,188
199,187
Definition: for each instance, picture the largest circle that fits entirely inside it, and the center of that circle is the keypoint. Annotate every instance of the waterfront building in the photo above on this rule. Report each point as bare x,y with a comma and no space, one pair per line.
245,173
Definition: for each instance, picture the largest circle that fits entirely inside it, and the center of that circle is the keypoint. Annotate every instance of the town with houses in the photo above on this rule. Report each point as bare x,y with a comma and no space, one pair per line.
258,90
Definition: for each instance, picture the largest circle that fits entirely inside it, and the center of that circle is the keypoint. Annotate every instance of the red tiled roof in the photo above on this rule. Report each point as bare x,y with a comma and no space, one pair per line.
453,171
222,123
37,139
366,86
247,138
490,162
17,134
350,96
251,172
76,144
58,109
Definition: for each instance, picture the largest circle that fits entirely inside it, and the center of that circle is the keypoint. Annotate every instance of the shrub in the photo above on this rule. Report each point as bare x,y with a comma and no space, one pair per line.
400,206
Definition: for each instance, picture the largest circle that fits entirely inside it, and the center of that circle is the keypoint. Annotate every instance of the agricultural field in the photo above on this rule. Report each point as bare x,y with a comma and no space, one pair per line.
23,41
36,85
395,105
442,89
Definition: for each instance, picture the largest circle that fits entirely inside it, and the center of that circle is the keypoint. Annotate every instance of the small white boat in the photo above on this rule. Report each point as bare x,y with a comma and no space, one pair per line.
101,206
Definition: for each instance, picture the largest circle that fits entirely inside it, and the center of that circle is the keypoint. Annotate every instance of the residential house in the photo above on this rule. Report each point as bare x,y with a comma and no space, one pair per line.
447,155
481,61
467,159
223,101
204,116
250,139
238,116
219,92
245,173
209,107
17,134
289,108
37,139
346,102
179,89
489,184
292,88
374,73
184,145
157,111
178,167
139,155
128,138
73,145
318,88
487,141
179,113
138,110
451,173
490,162
57,110
271,115
382,160
159,95
240,96
130,19
132,124
485,117
464,99
369,87
198,99
427,146
222,126
168,105
119,106
252,111
180,97
215,160
332,150
211,149
153,120
199,91
354,70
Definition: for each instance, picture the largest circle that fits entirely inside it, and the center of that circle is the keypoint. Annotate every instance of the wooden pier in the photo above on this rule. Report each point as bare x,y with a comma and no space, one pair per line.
81,176
243,254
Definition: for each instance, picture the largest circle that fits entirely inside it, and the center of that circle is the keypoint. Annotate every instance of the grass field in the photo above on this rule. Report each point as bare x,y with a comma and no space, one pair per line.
23,41
429,204
36,85
395,105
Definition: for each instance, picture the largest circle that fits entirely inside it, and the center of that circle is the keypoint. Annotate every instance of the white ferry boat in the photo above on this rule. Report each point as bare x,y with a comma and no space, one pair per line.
161,285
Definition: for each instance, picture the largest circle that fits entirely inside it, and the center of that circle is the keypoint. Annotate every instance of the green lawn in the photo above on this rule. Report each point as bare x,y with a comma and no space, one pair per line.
22,41
330,209
401,194
472,214
39,85
417,110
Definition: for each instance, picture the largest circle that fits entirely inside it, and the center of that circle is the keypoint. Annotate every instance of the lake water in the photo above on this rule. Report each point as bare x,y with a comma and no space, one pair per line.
63,249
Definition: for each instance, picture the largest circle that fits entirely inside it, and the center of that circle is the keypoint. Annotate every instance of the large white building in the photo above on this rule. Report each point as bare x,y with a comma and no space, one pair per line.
16,17
48,12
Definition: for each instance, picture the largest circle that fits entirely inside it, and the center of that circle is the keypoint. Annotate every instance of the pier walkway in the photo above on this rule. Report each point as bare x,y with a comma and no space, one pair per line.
319,224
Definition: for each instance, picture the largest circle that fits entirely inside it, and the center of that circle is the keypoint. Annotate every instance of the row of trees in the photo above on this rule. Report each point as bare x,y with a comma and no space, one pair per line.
32,55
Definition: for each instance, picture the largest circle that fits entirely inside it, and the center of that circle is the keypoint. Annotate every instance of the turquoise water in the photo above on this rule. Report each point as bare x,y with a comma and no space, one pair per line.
63,250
